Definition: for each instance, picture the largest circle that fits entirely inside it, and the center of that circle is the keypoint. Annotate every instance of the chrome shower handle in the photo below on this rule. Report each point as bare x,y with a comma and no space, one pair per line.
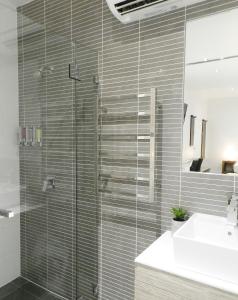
48,183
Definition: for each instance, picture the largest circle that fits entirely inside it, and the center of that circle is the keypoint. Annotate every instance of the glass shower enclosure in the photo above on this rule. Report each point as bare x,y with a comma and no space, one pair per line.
48,198
77,156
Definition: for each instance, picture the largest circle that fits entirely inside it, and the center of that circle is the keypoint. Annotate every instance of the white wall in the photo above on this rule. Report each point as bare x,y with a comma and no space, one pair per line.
9,158
197,106
223,124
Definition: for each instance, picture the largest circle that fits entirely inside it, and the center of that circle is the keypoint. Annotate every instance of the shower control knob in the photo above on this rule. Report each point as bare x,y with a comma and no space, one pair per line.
49,183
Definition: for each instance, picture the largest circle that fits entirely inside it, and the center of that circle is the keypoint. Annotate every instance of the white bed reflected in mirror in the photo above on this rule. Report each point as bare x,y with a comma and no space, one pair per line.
210,142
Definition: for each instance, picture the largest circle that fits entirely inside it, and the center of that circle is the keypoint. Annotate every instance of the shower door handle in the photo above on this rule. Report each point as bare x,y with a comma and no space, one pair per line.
74,72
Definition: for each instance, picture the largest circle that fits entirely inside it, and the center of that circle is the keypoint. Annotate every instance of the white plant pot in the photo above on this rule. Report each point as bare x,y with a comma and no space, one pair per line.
176,225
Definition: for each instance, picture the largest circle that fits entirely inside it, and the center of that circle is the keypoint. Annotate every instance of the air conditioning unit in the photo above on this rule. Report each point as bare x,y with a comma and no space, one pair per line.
133,10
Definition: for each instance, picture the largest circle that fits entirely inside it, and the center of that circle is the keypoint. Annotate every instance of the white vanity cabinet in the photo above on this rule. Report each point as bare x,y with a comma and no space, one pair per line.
158,277
153,284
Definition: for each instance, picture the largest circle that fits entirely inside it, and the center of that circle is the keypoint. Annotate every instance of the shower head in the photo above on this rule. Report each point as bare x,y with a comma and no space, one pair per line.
43,71
37,74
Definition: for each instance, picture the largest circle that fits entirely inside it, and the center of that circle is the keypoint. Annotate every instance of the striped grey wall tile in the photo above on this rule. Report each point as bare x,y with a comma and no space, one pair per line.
87,23
161,67
118,180
206,193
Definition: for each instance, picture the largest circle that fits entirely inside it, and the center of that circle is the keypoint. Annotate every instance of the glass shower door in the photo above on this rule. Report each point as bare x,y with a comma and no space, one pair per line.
87,91
48,156
48,166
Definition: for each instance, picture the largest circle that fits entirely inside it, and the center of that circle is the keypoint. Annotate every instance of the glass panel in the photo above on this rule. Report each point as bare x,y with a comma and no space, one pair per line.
39,241
87,98
80,178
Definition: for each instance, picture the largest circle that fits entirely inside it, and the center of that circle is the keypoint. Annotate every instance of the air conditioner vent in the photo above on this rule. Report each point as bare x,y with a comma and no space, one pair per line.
128,6
133,10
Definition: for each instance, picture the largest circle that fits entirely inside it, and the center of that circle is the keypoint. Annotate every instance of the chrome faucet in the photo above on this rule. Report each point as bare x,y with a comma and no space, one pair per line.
48,183
232,210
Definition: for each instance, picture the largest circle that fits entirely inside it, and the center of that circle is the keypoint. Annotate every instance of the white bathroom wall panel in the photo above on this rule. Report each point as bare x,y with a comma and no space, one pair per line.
9,157
9,249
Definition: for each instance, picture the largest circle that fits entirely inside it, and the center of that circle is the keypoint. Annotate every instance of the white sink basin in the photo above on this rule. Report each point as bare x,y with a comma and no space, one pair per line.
206,244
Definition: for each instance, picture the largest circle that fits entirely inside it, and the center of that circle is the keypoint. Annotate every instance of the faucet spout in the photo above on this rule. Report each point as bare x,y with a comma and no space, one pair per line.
232,210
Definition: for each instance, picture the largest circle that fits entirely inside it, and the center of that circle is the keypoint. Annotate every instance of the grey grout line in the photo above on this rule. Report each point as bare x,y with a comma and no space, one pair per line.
137,132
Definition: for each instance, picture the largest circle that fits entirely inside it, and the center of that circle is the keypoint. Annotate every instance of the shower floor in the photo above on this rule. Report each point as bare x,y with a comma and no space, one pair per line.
21,289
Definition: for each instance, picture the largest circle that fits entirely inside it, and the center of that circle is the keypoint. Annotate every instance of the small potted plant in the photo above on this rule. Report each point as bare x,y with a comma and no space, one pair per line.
180,216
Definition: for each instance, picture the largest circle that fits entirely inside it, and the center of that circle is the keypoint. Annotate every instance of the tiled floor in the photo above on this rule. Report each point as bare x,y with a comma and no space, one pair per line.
21,289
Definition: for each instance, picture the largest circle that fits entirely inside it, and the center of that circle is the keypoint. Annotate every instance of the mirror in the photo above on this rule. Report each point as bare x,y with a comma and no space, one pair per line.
210,129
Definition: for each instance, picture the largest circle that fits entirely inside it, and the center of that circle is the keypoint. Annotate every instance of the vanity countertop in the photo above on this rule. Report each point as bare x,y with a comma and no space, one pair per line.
160,256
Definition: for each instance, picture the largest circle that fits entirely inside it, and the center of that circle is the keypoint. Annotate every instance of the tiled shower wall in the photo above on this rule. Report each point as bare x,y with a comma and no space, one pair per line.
47,219
117,223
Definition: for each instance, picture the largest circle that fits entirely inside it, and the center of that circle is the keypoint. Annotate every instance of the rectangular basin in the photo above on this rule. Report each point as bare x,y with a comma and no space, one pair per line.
206,244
